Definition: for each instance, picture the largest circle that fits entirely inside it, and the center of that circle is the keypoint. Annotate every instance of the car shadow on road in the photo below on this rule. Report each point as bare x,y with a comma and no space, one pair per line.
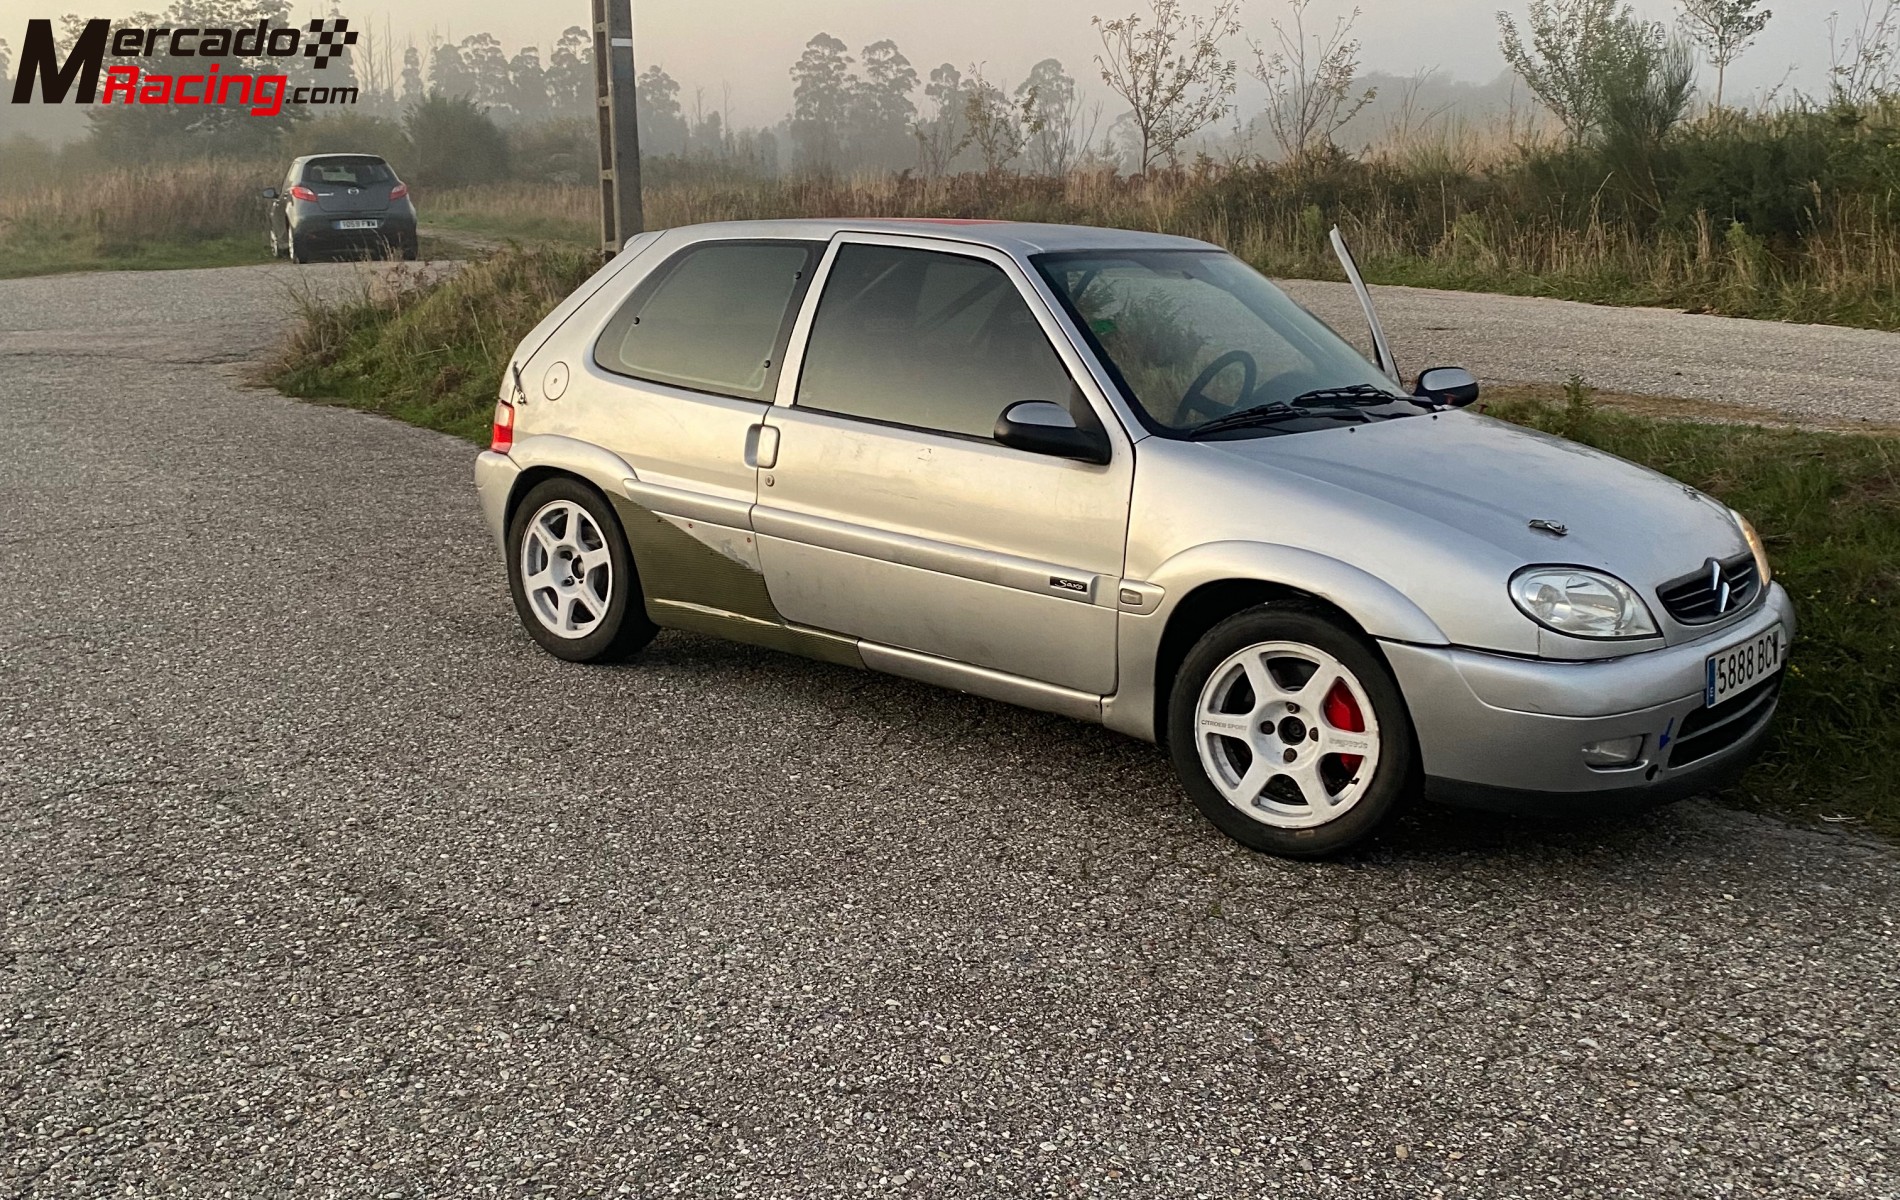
1129,783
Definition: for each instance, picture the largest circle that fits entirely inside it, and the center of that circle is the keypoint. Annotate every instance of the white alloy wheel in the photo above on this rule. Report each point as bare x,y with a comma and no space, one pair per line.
567,573
1287,734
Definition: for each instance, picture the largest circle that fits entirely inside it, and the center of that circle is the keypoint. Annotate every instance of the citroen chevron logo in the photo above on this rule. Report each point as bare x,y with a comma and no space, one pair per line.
1719,586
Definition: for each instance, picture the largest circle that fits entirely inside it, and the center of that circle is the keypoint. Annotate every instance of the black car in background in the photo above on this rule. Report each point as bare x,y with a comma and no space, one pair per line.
335,204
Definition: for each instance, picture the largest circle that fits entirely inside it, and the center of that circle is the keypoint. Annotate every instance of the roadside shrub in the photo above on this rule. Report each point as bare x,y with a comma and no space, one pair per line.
455,143
424,347
352,133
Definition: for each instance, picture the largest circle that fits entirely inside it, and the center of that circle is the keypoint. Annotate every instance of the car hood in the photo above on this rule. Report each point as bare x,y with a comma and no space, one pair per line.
1440,507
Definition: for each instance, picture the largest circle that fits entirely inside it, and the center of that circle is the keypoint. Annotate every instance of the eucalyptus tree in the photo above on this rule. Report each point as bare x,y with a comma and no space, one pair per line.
821,102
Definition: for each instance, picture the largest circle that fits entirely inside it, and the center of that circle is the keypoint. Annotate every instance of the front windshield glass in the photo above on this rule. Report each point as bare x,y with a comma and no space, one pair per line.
1197,335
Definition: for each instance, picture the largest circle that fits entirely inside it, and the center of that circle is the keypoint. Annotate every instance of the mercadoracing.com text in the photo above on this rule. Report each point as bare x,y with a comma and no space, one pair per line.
265,95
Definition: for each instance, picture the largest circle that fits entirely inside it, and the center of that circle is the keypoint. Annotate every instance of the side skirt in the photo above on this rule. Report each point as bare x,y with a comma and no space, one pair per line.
981,681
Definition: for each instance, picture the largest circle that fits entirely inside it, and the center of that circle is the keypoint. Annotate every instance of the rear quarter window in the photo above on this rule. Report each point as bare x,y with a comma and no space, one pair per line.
713,318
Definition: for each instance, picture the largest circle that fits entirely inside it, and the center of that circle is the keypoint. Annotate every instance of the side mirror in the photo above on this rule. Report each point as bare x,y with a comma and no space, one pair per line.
1447,385
270,193
1044,428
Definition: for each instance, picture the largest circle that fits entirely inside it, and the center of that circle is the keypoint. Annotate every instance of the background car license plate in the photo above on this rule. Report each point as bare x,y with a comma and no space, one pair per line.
1739,667
357,224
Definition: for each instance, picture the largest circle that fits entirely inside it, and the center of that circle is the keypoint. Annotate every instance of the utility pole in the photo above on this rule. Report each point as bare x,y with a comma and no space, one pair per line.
615,89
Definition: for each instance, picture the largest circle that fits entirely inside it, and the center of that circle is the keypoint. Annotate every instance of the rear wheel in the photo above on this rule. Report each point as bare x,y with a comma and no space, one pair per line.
572,576
410,248
1289,733
290,244
276,243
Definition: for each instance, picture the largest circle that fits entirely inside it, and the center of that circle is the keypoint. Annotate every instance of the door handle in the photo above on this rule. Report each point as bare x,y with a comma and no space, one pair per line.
761,446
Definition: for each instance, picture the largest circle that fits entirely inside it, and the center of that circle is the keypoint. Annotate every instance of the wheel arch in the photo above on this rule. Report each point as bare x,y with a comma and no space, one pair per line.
1208,584
546,456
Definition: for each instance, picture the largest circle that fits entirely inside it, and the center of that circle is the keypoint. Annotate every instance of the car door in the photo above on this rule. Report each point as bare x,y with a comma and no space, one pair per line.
887,510
681,377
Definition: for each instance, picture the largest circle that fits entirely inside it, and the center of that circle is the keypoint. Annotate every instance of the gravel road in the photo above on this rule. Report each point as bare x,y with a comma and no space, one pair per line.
318,879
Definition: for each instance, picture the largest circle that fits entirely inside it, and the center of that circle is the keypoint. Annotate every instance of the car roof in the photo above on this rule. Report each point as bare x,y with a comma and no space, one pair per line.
1020,238
304,158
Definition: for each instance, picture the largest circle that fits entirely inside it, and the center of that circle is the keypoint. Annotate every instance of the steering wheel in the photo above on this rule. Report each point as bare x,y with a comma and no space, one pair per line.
1193,401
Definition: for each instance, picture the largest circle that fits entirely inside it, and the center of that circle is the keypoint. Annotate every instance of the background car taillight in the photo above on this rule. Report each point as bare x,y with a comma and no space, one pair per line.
503,438
399,191
300,192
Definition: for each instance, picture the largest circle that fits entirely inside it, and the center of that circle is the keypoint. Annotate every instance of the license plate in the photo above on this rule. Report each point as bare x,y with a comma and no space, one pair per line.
1744,664
358,224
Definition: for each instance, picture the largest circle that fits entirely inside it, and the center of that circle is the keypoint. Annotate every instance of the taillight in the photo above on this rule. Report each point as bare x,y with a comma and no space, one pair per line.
399,191
503,438
300,192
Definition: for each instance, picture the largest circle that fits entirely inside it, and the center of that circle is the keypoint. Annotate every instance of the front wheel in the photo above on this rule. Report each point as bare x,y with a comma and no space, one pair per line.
1289,733
572,576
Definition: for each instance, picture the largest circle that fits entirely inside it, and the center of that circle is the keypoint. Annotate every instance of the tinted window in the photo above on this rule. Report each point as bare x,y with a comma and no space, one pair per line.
710,319
348,172
937,341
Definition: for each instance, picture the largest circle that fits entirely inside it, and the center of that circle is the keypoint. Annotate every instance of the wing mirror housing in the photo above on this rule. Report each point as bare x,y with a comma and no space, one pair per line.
1447,385
1042,427
269,193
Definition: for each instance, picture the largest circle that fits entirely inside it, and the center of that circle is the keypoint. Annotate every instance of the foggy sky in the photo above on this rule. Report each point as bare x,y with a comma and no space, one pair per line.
748,45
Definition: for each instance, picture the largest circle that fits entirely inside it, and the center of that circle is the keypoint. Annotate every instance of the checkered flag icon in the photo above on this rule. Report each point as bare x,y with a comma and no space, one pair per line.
327,43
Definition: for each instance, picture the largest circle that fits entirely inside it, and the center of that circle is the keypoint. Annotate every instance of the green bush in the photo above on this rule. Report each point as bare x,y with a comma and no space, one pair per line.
454,142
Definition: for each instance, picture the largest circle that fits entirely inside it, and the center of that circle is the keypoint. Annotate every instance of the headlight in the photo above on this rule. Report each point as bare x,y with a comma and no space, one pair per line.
1754,544
1581,602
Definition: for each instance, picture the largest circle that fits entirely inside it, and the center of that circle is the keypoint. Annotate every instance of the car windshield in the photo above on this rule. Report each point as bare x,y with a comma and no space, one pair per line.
1197,337
348,172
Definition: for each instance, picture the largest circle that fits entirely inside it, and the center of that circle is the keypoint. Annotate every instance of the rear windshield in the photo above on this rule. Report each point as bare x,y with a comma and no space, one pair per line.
350,172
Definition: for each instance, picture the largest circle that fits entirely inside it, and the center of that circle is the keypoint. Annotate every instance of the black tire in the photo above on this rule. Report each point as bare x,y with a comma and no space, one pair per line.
1395,774
297,254
409,249
624,629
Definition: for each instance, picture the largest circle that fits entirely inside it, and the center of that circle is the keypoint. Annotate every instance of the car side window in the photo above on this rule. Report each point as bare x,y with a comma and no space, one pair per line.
712,319
937,341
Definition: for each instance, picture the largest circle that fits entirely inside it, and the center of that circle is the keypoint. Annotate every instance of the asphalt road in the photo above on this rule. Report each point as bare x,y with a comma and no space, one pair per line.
318,879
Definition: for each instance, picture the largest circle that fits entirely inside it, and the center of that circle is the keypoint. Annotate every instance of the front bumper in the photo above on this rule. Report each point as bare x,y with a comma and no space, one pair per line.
495,476
1508,733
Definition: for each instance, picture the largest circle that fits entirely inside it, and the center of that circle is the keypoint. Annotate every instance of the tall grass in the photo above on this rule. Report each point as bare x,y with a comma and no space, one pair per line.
131,215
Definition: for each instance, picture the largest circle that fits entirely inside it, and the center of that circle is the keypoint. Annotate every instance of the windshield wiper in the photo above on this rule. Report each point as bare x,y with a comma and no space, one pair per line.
1351,393
1354,395
1264,414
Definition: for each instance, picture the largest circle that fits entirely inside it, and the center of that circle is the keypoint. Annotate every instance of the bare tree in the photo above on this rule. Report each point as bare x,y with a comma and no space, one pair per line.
995,123
1169,67
1862,60
1723,29
1309,83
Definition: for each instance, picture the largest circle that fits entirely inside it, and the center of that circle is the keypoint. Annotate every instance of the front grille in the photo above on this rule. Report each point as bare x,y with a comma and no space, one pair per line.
1694,599
1709,731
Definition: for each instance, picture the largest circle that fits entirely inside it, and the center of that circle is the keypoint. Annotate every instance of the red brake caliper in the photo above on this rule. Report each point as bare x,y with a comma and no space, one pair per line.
1342,712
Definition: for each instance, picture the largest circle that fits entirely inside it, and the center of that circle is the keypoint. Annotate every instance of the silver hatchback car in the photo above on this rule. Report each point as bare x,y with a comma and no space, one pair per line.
1122,477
